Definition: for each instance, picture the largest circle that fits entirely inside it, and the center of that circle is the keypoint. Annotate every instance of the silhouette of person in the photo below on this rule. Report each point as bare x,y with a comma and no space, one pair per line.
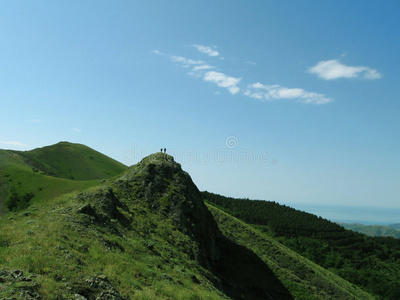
161,150
165,150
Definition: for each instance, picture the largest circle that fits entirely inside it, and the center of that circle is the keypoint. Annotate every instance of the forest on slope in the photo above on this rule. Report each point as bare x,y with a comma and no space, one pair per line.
372,263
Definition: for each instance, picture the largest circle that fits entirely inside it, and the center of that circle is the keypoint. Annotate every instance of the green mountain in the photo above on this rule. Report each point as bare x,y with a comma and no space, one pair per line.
142,233
372,263
395,226
146,234
47,172
66,160
303,278
372,230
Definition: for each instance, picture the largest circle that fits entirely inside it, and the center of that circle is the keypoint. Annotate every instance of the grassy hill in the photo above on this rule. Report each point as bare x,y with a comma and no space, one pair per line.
372,230
303,278
71,161
146,233
44,173
372,263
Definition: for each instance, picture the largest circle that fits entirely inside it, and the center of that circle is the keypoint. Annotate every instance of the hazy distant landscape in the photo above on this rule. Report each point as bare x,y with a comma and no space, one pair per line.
374,230
353,214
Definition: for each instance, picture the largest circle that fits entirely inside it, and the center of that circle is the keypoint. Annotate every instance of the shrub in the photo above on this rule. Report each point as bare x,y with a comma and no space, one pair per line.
17,202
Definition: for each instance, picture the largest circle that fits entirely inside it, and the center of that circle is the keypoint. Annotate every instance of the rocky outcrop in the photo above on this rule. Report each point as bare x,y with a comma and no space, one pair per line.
103,207
17,286
97,288
161,183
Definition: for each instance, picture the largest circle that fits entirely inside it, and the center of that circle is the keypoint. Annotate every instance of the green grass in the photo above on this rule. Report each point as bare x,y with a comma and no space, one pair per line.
146,250
24,179
51,171
63,248
72,161
145,238
372,263
303,278
9,158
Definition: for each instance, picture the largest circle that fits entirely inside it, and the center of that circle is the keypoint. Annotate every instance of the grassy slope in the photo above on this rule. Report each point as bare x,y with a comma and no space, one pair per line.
63,248
72,161
30,171
303,278
24,180
139,245
372,263
372,230
9,158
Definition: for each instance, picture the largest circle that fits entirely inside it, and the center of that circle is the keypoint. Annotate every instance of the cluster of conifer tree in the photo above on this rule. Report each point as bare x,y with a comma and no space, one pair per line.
372,263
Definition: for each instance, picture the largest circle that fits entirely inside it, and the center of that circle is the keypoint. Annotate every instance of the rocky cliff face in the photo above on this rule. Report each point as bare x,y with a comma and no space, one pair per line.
161,183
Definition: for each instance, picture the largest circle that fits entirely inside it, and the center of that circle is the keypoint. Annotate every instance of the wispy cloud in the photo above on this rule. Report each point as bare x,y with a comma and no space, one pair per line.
202,67
276,92
223,80
77,130
206,50
13,143
334,69
263,92
186,62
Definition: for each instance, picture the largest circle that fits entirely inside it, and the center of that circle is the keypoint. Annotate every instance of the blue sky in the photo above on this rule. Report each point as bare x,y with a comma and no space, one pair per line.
291,101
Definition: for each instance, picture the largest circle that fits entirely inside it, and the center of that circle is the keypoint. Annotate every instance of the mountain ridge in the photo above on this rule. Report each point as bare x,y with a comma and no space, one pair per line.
71,161
144,233
373,230
43,173
372,263
150,220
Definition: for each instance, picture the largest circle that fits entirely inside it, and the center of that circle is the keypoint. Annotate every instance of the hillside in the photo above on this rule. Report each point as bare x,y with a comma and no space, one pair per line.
47,172
145,235
395,226
372,230
304,279
71,161
372,263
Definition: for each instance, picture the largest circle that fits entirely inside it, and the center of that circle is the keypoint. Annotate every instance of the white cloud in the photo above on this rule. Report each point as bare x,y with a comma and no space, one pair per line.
334,69
156,52
209,73
202,67
223,80
77,130
276,92
206,50
186,62
13,143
